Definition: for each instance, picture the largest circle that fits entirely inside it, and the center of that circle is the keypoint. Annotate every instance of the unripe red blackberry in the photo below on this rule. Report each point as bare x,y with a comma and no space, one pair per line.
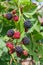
26,40
9,16
13,12
15,18
10,33
18,49
27,24
25,53
9,45
11,51
16,35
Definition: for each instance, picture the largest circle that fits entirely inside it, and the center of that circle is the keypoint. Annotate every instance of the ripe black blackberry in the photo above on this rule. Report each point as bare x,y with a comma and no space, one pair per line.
10,33
27,24
26,40
18,49
9,16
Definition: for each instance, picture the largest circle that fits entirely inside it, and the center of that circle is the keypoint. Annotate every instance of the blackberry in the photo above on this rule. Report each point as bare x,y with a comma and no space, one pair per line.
9,45
25,53
10,33
9,16
15,18
18,49
13,11
11,51
26,40
16,35
27,24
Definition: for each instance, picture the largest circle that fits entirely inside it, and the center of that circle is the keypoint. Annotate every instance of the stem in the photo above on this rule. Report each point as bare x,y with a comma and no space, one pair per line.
13,59
10,61
32,41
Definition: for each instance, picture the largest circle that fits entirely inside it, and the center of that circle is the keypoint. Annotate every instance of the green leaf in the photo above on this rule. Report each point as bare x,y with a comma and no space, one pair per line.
32,28
30,10
3,48
35,57
2,44
24,47
24,2
1,53
30,13
39,0
20,24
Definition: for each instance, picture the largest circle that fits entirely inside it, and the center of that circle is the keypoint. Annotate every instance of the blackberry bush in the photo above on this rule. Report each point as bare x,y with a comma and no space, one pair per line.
21,32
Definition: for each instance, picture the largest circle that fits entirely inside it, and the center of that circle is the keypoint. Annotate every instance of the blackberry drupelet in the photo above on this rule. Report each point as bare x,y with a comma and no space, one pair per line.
10,33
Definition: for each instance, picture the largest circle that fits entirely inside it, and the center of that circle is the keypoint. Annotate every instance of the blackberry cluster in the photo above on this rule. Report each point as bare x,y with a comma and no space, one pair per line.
9,16
26,40
27,24
10,33
18,49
